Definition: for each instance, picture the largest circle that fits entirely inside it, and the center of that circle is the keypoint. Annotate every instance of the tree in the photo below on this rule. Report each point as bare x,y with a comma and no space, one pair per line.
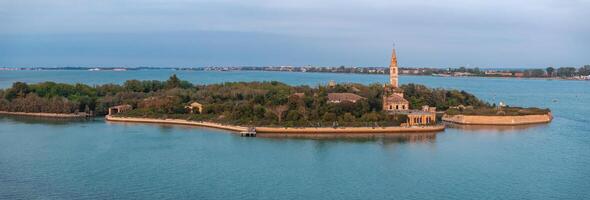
329,117
585,70
534,72
133,85
278,110
347,117
550,71
173,82
566,71
293,115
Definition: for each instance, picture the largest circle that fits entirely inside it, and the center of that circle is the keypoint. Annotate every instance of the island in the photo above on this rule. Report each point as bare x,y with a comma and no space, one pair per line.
500,115
251,108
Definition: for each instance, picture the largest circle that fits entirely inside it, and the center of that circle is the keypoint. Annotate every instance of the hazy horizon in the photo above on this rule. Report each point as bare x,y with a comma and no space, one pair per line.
179,33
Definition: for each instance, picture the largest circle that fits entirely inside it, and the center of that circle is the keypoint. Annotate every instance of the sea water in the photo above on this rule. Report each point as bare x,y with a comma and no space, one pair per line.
94,159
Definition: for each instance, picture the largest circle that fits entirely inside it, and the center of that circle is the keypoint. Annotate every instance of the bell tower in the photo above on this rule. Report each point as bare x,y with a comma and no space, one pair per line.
393,69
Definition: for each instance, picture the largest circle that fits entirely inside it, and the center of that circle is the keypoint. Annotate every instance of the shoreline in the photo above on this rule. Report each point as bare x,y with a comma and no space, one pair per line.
498,120
350,130
50,115
174,69
176,121
287,130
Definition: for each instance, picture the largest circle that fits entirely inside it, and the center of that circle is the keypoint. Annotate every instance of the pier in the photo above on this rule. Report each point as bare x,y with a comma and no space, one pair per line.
250,132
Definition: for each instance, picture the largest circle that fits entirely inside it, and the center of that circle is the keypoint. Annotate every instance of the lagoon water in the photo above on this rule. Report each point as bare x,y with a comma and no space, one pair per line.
93,159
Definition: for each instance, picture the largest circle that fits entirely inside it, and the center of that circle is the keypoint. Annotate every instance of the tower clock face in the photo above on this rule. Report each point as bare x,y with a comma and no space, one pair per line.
392,70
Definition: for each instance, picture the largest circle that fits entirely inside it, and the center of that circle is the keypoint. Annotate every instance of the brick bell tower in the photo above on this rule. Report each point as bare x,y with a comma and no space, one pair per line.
393,70
393,96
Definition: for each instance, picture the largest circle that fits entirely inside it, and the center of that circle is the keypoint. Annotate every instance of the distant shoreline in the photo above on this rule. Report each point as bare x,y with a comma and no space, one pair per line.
230,69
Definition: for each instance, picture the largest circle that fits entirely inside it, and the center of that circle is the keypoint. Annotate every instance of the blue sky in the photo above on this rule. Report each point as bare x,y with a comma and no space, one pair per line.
501,33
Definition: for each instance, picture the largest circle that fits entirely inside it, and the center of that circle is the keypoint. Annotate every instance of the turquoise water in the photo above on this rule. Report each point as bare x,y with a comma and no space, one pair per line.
51,159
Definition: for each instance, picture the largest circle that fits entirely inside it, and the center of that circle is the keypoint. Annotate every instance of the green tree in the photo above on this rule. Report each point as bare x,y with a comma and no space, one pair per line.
550,71
329,117
173,82
566,71
585,70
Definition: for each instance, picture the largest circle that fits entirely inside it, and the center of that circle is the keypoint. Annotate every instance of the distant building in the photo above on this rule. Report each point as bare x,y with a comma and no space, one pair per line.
342,97
497,73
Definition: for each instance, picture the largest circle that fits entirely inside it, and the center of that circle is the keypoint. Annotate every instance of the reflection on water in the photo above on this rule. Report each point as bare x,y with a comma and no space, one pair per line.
44,120
385,138
495,129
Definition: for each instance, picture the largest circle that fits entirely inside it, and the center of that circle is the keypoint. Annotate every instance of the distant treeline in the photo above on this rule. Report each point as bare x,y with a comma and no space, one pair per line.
564,72
253,103
547,72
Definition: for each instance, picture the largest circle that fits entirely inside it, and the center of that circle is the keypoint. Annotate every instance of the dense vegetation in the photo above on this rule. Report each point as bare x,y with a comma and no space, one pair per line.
253,103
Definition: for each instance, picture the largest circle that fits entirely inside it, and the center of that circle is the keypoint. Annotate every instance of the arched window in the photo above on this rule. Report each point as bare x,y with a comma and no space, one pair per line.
396,107
390,107
404,107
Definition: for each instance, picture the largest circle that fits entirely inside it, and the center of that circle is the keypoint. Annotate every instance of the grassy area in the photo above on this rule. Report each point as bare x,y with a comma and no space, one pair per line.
504,111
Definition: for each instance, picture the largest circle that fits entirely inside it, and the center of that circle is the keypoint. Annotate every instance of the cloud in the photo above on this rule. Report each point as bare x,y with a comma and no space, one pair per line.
434,33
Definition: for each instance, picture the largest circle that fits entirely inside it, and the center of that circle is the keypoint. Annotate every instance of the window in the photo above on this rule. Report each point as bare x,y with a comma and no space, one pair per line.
396,107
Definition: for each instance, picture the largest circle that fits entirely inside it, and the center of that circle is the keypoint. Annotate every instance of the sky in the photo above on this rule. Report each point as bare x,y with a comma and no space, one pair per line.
181,33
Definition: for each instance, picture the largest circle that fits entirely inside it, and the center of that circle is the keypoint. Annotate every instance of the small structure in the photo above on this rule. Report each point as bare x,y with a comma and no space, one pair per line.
299,94
342,97
250,132
119,109
421,118
194,108
461,107
332,83
427,108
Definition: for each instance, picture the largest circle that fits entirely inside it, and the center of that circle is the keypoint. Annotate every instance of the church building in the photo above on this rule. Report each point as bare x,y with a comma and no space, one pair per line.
395,103
393,96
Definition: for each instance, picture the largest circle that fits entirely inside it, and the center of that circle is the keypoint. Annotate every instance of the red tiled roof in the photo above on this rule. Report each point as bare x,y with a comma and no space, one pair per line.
394,98
344,97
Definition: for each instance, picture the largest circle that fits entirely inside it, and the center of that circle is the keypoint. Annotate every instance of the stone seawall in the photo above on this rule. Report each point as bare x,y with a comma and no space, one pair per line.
303,130
176,121
350,130
50,115
498,120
